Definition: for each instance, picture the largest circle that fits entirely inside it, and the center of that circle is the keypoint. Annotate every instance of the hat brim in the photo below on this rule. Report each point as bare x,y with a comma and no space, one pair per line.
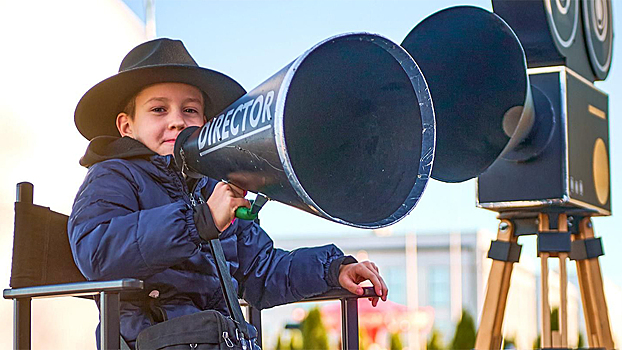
97,110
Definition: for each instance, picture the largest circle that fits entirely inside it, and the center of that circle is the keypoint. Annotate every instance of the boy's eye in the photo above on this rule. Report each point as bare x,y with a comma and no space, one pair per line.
158,109
191,110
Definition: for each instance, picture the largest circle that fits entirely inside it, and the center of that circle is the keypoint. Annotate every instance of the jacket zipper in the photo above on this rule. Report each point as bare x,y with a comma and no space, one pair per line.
185,190
194,200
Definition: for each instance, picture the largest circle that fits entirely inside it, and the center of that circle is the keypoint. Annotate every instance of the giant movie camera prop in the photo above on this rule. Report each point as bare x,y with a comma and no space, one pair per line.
542,149
352,130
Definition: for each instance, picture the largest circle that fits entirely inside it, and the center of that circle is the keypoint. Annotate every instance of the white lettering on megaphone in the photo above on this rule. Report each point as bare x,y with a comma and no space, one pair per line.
235,128
246,105
209,132
216,137
226,125
225,132
203,134
258,102
266,107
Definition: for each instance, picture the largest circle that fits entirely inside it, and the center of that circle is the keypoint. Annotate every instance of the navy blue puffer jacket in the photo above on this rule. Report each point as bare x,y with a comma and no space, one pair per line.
132,218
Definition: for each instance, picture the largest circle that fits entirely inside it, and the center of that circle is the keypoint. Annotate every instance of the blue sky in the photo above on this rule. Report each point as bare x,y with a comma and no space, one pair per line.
251,40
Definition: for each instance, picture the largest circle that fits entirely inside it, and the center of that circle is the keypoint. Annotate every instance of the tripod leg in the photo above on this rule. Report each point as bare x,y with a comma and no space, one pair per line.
587,301
593,296
563,299
546,340
489,333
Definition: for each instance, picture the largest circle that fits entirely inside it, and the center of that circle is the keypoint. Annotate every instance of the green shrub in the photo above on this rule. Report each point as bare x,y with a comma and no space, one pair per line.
554,327
436,340
555,319
295,340
395,342
279,345
509,343
313,332
464,338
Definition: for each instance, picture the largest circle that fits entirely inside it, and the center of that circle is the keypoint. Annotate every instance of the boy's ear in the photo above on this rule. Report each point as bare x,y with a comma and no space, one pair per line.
124,124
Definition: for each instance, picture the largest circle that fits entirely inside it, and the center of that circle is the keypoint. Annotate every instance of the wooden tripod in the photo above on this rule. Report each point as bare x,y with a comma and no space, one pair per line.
554,240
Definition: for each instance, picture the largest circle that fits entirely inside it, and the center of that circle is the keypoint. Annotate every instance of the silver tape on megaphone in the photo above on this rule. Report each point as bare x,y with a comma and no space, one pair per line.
346,132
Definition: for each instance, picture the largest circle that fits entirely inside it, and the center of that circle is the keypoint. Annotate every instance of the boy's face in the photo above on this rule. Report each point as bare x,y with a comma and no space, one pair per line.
162,112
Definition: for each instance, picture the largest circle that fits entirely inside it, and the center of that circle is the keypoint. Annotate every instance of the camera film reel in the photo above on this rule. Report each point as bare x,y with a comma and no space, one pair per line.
598,27
563,17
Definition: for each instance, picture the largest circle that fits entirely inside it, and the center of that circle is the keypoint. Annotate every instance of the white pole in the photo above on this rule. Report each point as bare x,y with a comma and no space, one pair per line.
150,19
455,275
412,290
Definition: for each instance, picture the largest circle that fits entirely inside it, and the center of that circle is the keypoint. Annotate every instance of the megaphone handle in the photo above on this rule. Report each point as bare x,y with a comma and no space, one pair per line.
251,213
245,213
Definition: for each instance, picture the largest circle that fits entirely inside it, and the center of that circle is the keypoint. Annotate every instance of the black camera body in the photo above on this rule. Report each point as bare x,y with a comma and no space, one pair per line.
568,45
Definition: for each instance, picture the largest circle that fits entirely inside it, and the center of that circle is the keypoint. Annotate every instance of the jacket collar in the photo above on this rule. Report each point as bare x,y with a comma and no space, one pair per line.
109,147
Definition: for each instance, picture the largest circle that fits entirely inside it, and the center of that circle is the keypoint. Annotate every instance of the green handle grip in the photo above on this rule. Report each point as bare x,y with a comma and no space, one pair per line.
244,213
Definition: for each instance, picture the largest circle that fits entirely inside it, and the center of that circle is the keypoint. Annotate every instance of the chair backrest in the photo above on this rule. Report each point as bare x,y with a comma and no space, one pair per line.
41,252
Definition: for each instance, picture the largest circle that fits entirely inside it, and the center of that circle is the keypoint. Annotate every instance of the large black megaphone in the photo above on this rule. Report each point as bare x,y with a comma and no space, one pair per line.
484,104
345,132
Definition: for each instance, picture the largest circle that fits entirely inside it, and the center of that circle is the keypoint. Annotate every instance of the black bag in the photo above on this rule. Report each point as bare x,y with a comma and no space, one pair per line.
203,330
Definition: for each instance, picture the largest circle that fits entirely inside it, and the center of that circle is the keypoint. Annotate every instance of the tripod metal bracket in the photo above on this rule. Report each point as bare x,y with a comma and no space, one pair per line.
504,251
554,241
524,223
525,226
583,249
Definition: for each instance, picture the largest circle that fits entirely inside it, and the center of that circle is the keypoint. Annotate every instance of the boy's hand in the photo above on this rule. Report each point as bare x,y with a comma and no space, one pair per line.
352,274
223,202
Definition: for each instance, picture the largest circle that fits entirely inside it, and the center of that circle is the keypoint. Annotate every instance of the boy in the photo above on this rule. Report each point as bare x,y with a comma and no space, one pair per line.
132,215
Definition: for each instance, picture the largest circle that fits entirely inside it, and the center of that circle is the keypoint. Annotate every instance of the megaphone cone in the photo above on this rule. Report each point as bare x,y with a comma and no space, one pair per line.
345,132
476,69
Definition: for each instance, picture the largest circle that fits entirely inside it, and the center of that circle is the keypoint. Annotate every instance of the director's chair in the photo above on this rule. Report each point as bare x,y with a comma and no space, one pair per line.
43,266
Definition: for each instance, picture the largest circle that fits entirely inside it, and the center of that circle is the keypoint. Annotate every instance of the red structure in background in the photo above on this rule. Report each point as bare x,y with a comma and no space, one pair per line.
386,318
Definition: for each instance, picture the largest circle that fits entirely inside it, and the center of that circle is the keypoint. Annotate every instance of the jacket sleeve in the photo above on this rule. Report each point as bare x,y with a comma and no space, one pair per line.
111,237
270,276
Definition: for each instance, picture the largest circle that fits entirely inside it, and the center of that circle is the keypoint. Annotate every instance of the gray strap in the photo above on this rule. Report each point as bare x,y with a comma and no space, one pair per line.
123,344
227,286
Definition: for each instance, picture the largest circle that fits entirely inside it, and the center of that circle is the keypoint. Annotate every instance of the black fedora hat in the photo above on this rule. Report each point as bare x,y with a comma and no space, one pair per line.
152,62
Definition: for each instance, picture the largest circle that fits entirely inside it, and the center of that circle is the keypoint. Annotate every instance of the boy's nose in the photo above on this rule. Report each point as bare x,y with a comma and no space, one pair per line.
177,121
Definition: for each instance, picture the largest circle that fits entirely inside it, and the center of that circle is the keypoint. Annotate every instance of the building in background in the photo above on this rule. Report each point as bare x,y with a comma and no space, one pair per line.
450,275
613,293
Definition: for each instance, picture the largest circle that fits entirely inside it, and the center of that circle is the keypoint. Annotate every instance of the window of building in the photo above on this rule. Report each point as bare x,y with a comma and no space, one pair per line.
439,287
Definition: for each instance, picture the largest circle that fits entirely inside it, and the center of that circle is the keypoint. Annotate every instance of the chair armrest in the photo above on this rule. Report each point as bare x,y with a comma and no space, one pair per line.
74,289
341,294
333,294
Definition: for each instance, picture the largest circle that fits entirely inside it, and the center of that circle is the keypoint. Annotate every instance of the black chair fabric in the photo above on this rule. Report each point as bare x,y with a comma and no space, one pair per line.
41,252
